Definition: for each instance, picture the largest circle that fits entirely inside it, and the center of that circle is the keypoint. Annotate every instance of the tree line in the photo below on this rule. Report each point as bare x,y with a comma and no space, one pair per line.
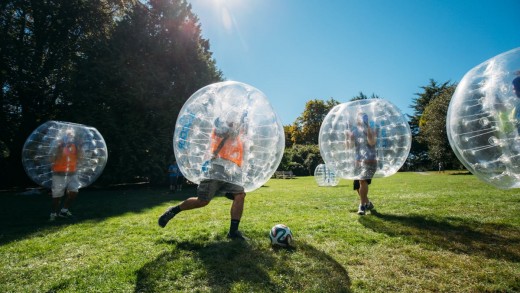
126,67
123,67
430,145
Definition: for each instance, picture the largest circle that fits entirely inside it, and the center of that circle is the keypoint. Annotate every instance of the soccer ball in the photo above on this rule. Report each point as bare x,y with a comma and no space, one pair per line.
280,235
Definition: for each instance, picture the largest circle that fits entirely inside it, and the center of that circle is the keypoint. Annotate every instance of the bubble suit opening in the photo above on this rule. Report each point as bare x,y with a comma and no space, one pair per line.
45,144
483,120
228,131
325,176
364,139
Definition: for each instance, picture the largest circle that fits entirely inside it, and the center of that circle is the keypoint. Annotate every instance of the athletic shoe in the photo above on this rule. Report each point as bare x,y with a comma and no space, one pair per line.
65,215
237,235
361,210
166,217
369,206
53,217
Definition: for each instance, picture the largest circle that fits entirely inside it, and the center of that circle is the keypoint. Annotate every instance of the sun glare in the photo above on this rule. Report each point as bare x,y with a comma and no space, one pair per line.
222,10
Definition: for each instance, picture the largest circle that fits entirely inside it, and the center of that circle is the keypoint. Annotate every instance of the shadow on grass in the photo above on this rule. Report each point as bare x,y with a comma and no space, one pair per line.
224,266
23,214
494,241
460,173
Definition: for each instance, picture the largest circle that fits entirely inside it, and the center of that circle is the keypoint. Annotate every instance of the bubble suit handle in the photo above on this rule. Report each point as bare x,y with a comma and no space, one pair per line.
228,131
43,145
364,139
483,120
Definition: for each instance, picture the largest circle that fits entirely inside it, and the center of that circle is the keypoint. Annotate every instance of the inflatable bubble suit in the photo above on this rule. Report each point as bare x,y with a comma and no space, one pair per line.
228,131
483,120
325,176
364,139
45,143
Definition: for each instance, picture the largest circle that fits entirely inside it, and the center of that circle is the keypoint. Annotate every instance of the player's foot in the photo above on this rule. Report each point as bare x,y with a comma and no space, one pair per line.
65,214
237,235
361,210
53,217
369,206
166,217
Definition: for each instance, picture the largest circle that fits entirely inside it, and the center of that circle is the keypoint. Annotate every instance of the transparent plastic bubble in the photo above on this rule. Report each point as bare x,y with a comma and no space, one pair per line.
229,131
483,120
325,176
364,139
42,149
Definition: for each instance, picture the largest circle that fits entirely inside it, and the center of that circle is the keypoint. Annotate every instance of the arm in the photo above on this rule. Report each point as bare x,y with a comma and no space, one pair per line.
349,139
371,136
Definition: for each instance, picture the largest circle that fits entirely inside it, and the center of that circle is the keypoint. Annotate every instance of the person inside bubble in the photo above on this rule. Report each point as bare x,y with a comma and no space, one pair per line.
64,175
226,157
506,109
516,86
516,91
362,138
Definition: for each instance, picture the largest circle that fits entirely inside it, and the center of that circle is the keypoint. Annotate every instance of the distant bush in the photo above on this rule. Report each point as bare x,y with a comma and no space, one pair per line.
301,159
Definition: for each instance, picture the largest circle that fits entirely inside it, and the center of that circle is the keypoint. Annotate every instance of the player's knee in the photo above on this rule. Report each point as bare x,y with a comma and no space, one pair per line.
240,196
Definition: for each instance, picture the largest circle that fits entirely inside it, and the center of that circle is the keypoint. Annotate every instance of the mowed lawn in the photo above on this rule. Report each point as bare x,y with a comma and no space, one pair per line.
430,233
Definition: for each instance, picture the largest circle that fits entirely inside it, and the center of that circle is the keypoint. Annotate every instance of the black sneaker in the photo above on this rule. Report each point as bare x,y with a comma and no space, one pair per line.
369,206
361,210
237,235
166,217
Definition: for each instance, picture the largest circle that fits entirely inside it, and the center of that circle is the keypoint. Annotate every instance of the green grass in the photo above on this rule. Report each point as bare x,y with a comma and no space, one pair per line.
431,233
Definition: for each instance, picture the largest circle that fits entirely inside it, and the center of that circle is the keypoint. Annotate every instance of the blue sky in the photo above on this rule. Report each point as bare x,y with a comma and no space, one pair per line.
298,50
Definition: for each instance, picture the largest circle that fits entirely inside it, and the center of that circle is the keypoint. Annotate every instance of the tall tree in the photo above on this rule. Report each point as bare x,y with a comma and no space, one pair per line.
42,42
418,157
306,128
134,85
433,128
362,96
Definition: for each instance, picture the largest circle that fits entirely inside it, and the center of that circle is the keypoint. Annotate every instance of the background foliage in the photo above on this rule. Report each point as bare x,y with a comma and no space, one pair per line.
127,68
121,66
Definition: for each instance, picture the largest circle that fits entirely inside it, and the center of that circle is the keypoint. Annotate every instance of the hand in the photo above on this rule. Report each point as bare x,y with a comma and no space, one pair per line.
365,119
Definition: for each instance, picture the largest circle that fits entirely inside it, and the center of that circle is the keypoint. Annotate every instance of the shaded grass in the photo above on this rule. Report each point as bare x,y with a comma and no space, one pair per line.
433,232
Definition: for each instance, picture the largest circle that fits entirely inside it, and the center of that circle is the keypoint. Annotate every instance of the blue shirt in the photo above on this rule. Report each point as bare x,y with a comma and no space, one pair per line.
364,151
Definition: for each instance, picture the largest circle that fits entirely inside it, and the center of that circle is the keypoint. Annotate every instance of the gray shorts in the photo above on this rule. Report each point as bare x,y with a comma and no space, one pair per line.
209,188
62,182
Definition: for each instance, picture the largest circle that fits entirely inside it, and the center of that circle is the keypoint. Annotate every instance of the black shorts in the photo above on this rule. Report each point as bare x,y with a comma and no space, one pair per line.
356,183
209,188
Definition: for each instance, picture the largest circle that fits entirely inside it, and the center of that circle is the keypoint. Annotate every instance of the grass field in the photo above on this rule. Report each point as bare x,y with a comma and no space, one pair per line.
431,233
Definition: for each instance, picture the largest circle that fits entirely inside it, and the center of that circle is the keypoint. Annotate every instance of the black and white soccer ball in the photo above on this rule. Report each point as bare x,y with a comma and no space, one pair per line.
280,235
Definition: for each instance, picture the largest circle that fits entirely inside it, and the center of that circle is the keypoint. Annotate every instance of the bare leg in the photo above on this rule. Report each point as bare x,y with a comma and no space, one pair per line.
363,192
56,204
71,196
193,203
238,206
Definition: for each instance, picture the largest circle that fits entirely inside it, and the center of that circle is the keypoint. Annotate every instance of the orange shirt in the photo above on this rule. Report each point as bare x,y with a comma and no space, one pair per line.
232,149
66,159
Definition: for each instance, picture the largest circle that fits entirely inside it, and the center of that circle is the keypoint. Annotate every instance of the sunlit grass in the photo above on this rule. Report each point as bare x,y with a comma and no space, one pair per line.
430,232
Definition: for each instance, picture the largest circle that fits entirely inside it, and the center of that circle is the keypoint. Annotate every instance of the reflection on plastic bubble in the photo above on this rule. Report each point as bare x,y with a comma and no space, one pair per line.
365,139
483,119
228,131
325,176
65,149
